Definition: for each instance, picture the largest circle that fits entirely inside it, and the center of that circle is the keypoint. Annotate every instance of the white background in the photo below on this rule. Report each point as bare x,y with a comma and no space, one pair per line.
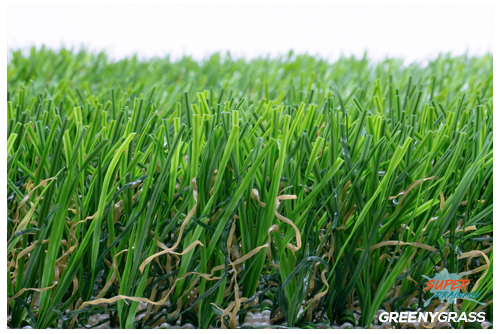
415,33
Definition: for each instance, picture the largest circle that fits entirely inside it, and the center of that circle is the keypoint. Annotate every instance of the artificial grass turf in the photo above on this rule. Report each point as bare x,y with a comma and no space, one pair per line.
326,186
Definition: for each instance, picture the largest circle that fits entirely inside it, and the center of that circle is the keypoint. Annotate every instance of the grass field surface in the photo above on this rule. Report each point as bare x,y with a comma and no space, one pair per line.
316,190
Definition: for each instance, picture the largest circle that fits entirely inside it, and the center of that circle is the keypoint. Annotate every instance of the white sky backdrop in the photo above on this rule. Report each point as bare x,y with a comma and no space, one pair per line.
415,33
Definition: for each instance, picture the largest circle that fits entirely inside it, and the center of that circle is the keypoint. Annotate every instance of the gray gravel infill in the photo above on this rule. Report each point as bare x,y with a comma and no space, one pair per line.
263,320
